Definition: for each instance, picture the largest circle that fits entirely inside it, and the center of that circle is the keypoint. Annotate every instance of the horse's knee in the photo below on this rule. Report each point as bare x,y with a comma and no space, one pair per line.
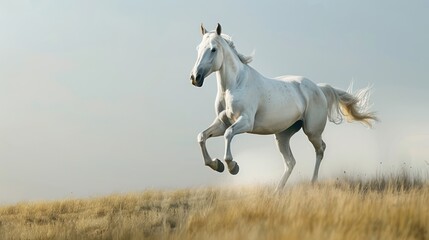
228,134
201,137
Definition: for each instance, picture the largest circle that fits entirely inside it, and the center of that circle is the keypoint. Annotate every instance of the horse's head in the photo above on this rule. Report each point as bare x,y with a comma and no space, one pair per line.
210,56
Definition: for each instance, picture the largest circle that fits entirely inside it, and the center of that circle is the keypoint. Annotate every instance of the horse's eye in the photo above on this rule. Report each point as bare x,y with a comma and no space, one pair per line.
213,50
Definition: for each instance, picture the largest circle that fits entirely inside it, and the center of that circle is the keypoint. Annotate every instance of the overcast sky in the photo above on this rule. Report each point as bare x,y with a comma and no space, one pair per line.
95,96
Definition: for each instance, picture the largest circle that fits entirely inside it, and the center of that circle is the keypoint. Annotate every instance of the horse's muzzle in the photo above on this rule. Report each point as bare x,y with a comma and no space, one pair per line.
197,80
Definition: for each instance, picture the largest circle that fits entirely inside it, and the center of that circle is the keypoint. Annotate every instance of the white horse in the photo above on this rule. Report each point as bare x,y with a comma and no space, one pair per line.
248,102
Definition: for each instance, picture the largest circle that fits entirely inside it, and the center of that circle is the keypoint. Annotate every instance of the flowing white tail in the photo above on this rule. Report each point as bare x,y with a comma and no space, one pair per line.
354,107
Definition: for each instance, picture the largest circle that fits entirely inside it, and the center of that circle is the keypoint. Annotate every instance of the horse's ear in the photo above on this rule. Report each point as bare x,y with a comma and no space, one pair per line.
203,29
218,29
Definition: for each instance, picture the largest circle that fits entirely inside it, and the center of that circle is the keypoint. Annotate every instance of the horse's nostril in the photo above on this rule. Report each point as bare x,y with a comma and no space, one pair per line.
198,77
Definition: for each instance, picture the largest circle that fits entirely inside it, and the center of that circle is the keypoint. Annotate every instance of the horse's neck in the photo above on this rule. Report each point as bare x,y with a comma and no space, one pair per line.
229,74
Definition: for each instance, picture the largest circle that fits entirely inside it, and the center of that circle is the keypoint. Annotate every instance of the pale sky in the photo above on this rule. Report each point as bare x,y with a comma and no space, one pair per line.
95,96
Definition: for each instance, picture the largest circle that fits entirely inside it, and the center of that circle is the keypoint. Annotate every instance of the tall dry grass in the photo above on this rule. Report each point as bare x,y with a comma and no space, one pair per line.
393,207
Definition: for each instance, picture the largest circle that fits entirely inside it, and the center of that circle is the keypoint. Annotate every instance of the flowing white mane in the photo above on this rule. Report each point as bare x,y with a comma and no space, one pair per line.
244,59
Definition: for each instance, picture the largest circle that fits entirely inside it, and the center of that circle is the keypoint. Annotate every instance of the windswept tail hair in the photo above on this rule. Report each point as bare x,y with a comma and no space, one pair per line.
352,106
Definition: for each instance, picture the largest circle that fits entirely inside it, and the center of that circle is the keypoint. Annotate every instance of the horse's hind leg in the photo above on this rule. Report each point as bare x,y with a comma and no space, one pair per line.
313,128
319,146
216,129
283,139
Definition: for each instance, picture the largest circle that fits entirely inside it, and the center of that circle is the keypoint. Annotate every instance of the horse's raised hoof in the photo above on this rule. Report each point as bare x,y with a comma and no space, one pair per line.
220,166
235,169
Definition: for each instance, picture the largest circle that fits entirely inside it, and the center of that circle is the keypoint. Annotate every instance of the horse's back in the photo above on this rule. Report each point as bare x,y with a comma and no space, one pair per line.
310,90
290,78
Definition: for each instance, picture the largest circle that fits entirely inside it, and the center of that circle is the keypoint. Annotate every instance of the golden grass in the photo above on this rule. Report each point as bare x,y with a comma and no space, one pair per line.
395,207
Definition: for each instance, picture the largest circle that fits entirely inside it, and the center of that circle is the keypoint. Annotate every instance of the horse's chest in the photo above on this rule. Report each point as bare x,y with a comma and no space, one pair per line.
233,106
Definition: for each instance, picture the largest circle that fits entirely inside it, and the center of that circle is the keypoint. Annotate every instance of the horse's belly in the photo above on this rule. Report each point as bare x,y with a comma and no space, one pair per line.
276,121
280,107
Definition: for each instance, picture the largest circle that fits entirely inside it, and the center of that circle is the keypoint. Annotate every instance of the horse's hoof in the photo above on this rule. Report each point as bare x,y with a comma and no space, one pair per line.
235,169
220,166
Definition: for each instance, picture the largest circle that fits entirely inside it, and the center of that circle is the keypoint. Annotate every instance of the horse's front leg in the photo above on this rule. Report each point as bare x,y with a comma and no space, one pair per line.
216,129
243,124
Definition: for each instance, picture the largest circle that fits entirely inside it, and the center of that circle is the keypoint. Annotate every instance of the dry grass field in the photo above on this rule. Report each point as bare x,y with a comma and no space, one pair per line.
394,207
